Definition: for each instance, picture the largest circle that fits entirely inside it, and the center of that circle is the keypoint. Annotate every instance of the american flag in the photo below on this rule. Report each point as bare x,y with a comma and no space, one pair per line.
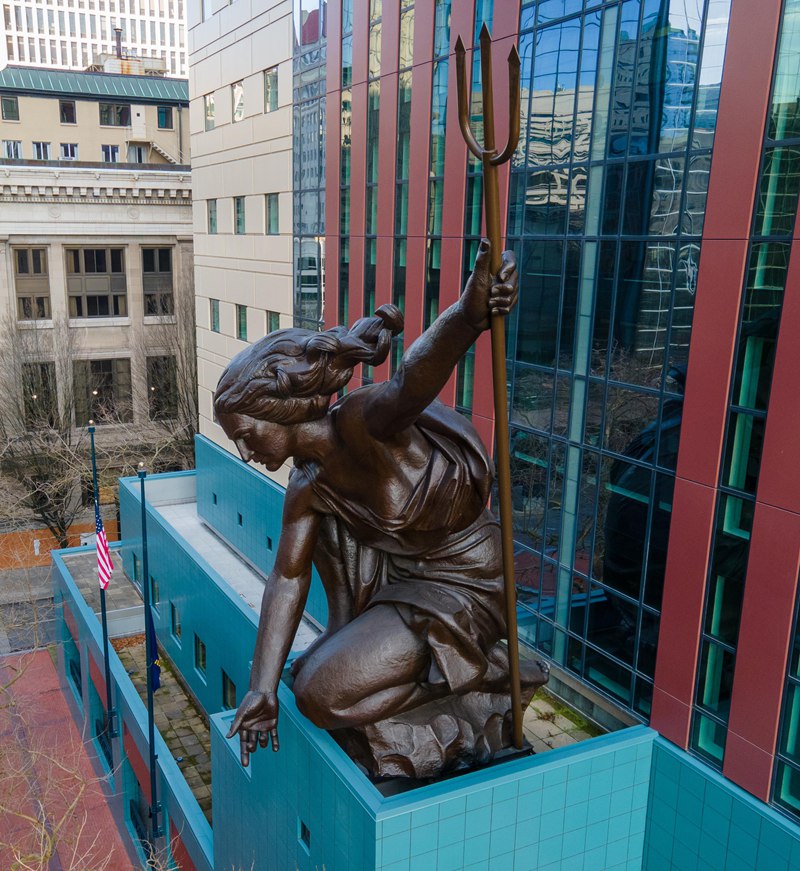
104,565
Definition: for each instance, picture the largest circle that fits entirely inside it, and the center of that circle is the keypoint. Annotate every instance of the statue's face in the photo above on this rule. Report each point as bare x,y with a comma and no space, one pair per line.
258,440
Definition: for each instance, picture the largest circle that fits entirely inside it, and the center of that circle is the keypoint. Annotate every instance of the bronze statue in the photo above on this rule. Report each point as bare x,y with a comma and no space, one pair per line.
388,499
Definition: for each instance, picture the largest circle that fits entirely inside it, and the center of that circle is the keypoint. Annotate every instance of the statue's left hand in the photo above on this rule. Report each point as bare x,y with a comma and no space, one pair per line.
256,721
487,294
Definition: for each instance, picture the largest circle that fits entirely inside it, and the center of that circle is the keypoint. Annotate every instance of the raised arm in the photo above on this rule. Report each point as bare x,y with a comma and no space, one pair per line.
428,363
281,611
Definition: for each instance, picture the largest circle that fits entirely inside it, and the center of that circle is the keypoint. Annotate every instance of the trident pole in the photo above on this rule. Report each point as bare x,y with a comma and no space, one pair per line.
110,712
490,159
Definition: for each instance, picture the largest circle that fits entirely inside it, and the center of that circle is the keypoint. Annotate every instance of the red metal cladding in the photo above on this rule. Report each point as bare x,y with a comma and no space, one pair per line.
135,760
734,174
764,641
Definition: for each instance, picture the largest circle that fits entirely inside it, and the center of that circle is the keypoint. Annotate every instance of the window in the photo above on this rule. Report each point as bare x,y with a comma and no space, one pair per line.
157,280
228,692
210,112
241,322
237,96
10,108
212,217
69,150
214,315
137,154
102,391
207,10
199,655
41,151
110,153
155,594
31,283
12,149
162,388
96,282
165,117
271,222
66,112
238,215
273,321
174,621
39,399
271,89
115,115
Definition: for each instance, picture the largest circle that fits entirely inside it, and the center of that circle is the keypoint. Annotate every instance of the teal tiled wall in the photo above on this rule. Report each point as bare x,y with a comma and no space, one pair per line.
242,492
698,820
206,604
576,808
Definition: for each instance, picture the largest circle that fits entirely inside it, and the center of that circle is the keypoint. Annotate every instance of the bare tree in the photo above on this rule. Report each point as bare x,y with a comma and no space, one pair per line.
41,450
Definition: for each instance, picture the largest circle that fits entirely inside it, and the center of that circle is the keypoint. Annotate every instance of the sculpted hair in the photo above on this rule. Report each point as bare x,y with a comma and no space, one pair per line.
290,375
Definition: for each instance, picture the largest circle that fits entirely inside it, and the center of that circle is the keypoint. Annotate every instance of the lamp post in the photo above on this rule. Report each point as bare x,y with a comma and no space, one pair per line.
150,644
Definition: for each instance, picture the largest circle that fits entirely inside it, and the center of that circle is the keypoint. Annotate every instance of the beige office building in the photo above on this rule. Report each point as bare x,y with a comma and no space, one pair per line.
95,233
240,84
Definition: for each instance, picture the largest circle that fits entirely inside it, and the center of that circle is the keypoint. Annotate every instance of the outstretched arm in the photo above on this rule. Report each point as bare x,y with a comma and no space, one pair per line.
282,606
427,364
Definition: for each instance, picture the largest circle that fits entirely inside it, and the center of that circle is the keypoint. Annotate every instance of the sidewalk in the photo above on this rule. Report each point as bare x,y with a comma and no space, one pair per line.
52,808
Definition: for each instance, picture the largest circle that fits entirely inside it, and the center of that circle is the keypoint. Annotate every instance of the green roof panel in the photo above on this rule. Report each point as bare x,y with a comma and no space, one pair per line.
143,89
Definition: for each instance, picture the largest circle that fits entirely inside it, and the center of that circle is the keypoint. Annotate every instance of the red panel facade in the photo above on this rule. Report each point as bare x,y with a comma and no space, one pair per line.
740,128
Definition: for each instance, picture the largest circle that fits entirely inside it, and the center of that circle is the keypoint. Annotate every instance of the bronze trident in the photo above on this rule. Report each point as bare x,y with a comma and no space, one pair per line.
490,159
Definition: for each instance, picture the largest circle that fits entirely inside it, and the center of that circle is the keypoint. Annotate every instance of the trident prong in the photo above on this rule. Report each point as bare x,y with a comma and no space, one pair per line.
489,157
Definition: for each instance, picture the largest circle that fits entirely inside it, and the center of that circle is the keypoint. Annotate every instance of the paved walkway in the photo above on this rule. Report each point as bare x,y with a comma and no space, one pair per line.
548,723
179,721
53,811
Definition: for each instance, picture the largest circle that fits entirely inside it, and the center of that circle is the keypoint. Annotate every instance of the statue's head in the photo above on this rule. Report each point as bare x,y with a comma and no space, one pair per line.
290,375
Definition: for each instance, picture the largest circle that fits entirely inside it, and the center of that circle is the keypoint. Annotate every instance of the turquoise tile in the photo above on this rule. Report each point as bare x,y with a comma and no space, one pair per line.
477,866
554,776
692,781
580,768
743,845
526,834
550,850
479,798
501,840
596,834
719,799
577,790
690,807
504,813
425,815
623,775
403,865
552,823
574,844
476,849
600,784
505,791
397,847
737,863
527,859
638,821
617,852
424,839
532,783
684,857
602,762
395,825
619,827
502,863
769,860
621,801
576,816
572,863
554,796
594,860
711,852
451,831
450,858
478,821
529,806
452,808
777,838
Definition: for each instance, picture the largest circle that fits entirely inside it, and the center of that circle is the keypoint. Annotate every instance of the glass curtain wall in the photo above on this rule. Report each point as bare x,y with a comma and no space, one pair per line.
402,169
308,161
473,213
608,191
759,321
373,122
433,255
346,127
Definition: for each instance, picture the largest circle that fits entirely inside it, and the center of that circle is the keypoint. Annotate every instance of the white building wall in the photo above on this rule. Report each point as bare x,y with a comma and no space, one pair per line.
248,158
53,33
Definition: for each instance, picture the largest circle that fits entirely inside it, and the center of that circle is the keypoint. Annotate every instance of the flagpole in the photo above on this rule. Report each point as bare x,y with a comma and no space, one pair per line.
110,712
149,643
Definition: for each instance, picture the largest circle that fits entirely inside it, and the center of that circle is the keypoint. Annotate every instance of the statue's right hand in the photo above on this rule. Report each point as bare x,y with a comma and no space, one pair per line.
256,721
